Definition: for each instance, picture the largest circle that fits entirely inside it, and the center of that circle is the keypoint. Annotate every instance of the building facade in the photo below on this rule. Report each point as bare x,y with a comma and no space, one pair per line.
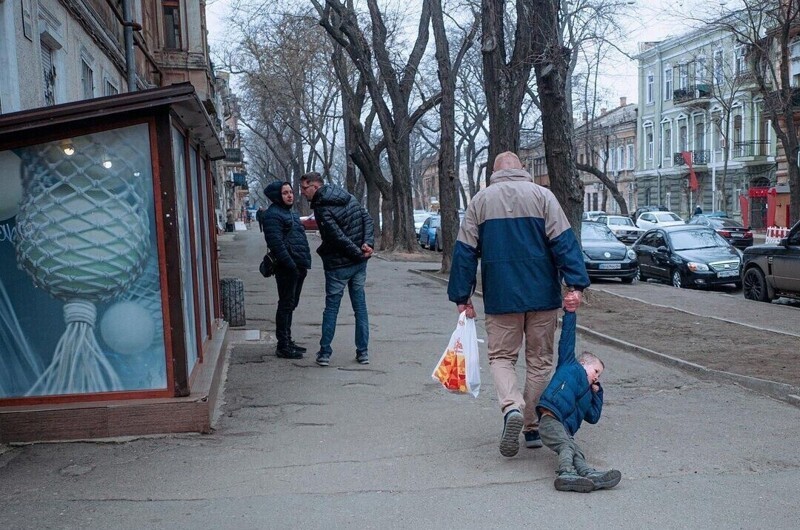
703,138
608,143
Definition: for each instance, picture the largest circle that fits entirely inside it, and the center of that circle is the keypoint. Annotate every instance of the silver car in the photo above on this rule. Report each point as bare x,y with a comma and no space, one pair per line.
650,220
622,227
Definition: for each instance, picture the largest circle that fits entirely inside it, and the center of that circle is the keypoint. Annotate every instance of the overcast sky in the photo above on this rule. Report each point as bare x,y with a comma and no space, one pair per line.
653,20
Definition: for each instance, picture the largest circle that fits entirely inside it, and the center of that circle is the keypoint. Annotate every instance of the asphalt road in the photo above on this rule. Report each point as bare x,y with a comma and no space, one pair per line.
382,446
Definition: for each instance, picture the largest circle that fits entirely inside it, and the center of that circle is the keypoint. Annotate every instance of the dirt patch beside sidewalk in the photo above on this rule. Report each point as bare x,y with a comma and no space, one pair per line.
709,342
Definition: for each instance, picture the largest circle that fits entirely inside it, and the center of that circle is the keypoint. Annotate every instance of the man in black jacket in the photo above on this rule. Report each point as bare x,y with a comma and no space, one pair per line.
347,236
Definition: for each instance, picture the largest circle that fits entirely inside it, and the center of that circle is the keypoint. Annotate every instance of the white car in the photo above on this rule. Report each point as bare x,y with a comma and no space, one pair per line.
650,220
622,226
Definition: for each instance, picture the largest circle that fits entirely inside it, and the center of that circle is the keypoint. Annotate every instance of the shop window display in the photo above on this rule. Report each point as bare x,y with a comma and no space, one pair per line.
80,296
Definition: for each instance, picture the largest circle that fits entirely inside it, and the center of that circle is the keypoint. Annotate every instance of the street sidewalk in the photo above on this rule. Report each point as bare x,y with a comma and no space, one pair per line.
384,446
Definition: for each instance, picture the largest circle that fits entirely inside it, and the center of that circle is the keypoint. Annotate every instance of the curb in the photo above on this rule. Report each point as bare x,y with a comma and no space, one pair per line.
780,391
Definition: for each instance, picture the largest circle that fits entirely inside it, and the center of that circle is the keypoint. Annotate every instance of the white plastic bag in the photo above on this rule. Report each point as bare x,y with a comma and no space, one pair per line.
458,369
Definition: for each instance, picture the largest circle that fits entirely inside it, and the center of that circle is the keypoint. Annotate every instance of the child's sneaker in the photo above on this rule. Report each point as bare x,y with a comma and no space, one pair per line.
509,441
532,439
573,482
604,479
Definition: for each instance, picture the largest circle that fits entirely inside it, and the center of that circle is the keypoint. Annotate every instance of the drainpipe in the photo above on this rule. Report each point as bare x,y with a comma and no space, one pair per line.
130,58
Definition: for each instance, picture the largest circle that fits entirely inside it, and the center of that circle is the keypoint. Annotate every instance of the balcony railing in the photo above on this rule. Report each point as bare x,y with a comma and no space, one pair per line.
233,155
751,148
698,158
692,92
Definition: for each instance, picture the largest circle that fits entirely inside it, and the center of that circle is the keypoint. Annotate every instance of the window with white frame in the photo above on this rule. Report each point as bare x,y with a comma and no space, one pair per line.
648,143
109,89
48,74
650,81
719,75
683,76
666,141
683,138
87,80
620,158
631,159
740,67
699,136
700,72
794,62
667,84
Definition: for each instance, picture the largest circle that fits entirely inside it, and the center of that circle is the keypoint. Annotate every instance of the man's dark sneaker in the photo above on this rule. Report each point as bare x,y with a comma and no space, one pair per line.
532,439
323,360
362,358
288,354
573,482
604,479
297,347
509,442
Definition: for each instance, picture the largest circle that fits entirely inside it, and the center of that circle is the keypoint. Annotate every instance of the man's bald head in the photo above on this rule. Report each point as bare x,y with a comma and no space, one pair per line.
507,160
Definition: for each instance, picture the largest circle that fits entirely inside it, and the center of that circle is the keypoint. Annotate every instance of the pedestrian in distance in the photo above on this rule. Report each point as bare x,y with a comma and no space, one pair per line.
574,395
347,236
230,220
260,218
698,210
526,248
287,242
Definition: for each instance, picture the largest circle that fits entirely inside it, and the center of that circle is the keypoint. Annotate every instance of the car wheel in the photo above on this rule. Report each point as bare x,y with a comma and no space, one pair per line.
629,279
755,285
677,279
640,277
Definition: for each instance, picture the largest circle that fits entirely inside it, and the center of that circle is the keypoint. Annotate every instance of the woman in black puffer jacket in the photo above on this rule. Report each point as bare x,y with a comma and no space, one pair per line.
287,241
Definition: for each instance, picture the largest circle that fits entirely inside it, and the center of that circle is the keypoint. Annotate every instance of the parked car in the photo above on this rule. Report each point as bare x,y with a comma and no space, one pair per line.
658,219
309,222
604,255
773,270
733,231
622,226
688,256
647,208
419,219
437,238
427,234
592,215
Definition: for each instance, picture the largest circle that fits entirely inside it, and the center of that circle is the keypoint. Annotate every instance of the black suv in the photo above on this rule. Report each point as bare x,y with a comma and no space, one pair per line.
770,271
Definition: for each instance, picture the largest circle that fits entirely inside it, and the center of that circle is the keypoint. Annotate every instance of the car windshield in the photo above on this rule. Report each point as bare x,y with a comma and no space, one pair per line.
718,222
666,216
596,232
623,221
695,239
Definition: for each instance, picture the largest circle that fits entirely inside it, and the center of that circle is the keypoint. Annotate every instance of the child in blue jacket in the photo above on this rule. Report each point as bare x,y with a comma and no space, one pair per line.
573,395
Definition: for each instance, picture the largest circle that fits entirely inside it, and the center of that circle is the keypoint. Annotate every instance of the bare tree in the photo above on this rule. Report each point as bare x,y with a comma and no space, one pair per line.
448,171
767,29
505,78
394,116
551,64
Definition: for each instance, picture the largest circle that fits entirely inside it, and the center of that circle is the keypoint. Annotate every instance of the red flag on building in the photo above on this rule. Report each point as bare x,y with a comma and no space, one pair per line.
687,157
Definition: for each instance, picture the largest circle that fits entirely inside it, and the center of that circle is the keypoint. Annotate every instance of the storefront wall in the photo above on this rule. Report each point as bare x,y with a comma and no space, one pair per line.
88,304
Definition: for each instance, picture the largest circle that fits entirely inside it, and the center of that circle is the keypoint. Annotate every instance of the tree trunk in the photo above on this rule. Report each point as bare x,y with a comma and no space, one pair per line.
504,82
609,184
551,67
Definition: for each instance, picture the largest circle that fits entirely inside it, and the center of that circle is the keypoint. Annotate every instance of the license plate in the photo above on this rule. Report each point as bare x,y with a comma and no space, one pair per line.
610,266
736,235
727,274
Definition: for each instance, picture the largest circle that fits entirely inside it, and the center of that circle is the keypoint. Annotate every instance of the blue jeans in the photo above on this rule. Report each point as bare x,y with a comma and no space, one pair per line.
353,277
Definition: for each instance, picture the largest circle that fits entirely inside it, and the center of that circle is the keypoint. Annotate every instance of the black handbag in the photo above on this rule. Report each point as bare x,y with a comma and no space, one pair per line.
267,266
